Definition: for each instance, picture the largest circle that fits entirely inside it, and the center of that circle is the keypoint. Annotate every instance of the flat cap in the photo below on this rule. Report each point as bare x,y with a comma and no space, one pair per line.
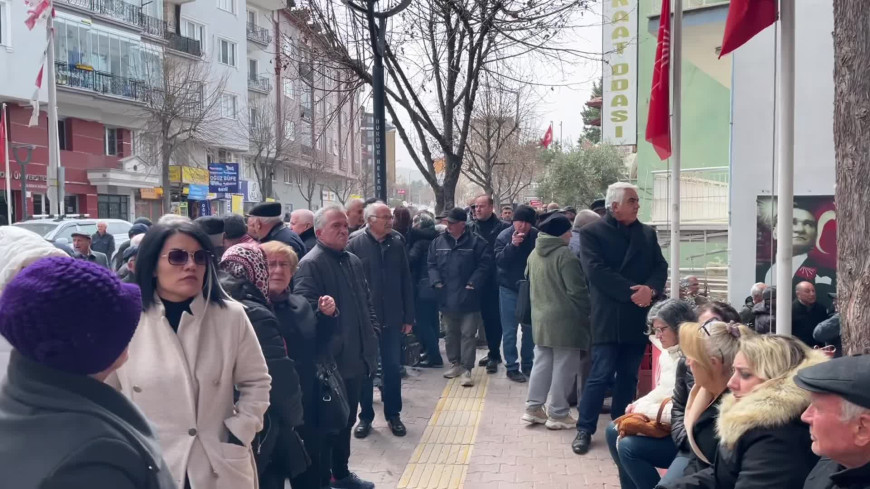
597,204
266,209
210,224
847,377
457,214
82,234
234,226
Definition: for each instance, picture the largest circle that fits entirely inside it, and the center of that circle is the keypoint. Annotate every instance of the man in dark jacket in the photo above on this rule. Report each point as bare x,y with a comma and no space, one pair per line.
385,261
459,265
488,226
265,224
82,245
62,426
302,223
135,230
102,241
839,419
426,326
806,313
512,249
763,319
626,272
329,270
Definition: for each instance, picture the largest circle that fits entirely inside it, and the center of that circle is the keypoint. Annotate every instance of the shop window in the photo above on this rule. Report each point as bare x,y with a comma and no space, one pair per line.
113,207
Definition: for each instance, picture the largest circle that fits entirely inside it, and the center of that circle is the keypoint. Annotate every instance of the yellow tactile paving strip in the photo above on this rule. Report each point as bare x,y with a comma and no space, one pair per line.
440,460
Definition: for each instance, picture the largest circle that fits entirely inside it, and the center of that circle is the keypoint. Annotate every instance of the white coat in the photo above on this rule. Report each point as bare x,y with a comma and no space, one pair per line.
664,389
184,384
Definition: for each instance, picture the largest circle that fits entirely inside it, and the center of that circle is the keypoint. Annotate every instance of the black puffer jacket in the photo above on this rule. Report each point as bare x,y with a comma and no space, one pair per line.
388,276
419,240
685,381
455,264
511,260
285,411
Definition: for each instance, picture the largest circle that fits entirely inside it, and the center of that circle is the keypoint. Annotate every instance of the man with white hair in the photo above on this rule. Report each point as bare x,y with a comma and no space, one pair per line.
265,224
839,419
626,273
755,297
102,241
302,223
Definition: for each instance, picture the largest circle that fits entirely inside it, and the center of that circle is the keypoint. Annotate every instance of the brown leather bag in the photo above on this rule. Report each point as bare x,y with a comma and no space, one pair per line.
632,424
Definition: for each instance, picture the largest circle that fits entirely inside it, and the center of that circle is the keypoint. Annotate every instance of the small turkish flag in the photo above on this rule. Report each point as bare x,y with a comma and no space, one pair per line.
746,18
548,137
658,123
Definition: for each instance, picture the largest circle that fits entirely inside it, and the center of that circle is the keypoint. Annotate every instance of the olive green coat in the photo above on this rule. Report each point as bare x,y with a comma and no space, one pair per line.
560,298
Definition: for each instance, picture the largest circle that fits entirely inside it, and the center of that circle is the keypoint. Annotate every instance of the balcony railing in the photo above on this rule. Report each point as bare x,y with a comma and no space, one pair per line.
113,9
152,26
103,83
259,35
260,84
703,196
183,44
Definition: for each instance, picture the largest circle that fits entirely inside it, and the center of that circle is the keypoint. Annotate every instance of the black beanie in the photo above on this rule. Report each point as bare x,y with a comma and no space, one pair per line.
556,225
526,214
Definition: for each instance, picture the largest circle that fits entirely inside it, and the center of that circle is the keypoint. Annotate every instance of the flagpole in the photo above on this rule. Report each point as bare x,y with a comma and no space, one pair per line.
676,74
4,120
785,184
55,173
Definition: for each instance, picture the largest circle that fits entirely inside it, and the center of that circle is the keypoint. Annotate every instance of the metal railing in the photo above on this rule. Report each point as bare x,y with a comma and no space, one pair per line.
152,26
96,81
260,84
113,9
259,35
183,44
703,195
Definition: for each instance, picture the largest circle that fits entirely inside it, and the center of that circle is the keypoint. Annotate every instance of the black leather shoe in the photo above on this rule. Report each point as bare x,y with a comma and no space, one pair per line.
526,371
516,376
363,428
483,361
397,426
429,364
581,442
491,366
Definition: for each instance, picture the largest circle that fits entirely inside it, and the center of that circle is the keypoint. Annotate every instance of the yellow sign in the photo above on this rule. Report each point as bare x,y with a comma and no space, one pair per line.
439,165
238,204
270,199
356,196
151,193
188,174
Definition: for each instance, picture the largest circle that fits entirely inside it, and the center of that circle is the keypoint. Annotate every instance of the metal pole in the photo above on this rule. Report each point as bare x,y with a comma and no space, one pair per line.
380,126
55,185
23,189
676,73
785,184
3,120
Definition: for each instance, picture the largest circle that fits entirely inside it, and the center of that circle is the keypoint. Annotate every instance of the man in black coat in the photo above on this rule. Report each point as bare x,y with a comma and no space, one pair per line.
839,419
460,264
626,272
102,241
385,261
329,270
488,226
806,313
512,249
265,224
302,223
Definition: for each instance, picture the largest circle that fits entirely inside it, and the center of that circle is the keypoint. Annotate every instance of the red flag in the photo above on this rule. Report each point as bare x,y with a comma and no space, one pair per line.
746,18
548,137
658,122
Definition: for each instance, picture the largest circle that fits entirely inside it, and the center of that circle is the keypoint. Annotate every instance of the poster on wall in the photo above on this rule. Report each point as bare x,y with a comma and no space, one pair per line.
814,242
619,88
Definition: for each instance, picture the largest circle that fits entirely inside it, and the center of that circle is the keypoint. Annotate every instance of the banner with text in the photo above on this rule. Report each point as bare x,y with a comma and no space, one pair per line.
223,177
619,100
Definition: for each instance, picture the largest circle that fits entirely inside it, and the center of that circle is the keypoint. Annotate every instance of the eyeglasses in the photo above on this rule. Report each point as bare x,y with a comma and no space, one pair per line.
279,264
180,257
659,331
707,331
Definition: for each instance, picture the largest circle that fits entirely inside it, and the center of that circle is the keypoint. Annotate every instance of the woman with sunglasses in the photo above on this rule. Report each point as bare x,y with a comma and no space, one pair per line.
194,346
763,442
637,457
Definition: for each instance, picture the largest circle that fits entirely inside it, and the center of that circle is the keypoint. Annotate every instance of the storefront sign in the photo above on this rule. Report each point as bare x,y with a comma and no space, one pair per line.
238,204
198,192
223,177
188,174
151,193
619,112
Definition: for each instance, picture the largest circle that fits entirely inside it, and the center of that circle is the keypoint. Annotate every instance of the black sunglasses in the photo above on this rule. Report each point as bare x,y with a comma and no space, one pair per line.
180,257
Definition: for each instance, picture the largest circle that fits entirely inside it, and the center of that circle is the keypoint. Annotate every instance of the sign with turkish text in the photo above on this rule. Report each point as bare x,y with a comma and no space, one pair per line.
223,177
619,100
188,174
198,192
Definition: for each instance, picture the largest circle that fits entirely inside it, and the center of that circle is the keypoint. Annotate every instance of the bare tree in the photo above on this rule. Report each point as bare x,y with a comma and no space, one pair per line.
182,106
434,62
852,145
342,188
271,140
366,180
522,168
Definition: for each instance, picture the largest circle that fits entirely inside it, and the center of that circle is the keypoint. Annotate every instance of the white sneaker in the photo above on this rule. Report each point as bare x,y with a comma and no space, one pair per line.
564,423
455,371
467,381
535,415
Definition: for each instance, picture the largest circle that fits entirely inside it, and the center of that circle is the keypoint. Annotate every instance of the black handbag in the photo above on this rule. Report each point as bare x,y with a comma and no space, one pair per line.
411,350
524,302
333,411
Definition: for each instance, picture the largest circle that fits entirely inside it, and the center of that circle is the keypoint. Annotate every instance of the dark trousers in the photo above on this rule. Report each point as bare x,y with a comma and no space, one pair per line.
310,479
336,448
608,359
391,368
491,314
426,328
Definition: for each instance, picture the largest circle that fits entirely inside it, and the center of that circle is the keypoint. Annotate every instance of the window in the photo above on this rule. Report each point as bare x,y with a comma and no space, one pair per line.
226,156
227,5
5,31
289,88
334,147
319,143
287,48
287,176
194,31
228,105
63,136
113,207
253,70
80,44
252,18
254,122
114,142
227,52
290,130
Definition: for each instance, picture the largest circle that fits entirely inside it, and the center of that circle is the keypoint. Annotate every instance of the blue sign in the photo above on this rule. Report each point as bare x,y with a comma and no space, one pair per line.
198,192
223,178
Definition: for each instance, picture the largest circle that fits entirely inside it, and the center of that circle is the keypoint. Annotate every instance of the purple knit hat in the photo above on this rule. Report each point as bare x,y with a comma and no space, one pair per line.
70,315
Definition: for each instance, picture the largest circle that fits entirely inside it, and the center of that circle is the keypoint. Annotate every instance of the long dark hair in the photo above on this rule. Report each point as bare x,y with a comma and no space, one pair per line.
402,220
149,256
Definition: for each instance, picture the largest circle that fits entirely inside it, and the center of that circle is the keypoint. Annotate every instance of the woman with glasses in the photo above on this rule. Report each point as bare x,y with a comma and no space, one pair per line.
638,457
763,443
194,346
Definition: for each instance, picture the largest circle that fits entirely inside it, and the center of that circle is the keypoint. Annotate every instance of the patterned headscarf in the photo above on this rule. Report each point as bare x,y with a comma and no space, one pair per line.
247,261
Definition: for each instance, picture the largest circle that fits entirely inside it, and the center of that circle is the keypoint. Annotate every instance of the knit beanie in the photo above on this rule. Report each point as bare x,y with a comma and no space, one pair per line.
234,226
555,225
526,214
137,229
70,315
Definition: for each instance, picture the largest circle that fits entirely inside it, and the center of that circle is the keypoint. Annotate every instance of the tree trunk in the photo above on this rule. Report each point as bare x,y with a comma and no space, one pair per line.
852,145
165,154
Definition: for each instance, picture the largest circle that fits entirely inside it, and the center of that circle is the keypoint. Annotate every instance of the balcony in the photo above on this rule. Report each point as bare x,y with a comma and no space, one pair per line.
183,44
259,35
703,198
260,84
86,78
116,10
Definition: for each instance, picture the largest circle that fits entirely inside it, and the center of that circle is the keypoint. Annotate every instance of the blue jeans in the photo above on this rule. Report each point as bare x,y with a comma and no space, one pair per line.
508,307
677,468
426,328
391,352
609,359
638,457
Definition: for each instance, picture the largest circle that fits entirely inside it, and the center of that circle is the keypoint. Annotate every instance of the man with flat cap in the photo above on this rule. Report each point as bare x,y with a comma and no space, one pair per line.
839,419
82,246
235,231
213,226
598,207
265,224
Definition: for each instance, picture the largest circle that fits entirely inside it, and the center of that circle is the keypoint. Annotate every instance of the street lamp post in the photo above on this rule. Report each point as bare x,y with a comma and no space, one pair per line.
23,161
377,20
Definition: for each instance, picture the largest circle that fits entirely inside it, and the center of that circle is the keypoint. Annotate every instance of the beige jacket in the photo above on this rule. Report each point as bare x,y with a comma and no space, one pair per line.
184,384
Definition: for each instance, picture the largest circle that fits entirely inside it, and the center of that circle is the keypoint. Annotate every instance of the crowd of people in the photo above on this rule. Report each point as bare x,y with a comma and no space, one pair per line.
240,352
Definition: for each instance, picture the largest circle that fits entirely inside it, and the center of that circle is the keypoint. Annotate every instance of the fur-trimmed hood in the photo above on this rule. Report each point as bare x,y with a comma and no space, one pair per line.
772,404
